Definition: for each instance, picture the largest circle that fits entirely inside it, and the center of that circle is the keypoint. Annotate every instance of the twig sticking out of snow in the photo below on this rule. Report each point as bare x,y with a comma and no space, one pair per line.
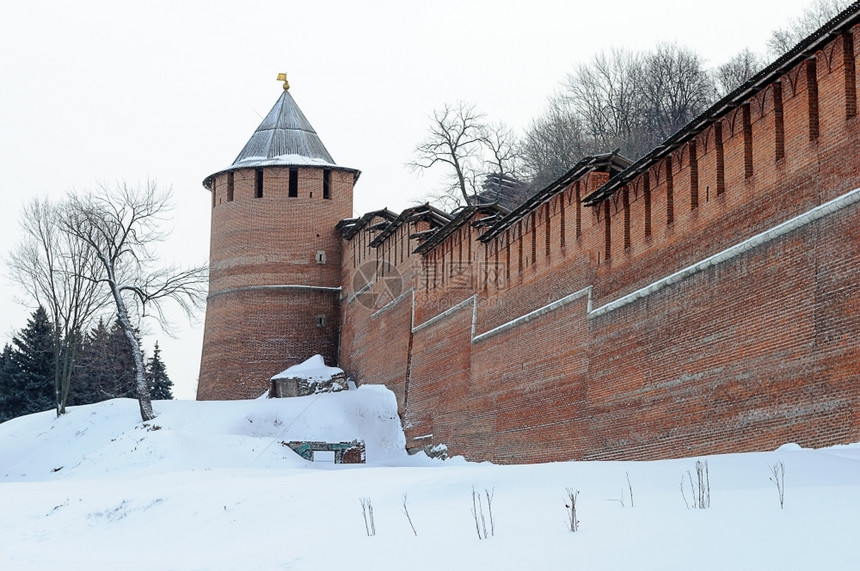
619,500
701,491
570,504
630,487
683,495
406,513
367,512
478,514
490,494
778,478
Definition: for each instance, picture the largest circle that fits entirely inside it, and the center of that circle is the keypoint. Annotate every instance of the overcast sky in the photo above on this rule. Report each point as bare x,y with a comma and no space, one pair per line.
96,92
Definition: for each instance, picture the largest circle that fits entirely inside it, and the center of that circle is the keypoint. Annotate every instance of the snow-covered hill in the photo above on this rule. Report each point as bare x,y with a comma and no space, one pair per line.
209,485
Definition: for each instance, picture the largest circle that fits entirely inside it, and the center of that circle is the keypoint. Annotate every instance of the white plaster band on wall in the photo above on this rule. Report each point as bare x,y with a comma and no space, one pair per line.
277,287
777,231
559,303
391,303
453,309
366,287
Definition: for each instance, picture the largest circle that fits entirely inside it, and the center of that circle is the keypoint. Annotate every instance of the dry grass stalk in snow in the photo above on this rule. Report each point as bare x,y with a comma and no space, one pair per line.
571,507
406,513
778,478
367,512
701,490
630,488
478,514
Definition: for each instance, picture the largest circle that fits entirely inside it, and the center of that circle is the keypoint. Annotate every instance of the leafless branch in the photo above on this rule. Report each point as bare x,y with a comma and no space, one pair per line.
121,226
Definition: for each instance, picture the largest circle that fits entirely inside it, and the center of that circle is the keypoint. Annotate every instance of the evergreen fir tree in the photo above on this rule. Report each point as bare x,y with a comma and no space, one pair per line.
7,373
105,369
160,385
122,364
86,378
30,364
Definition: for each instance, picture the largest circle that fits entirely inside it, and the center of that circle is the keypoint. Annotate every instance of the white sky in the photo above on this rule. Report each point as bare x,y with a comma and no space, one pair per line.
104,91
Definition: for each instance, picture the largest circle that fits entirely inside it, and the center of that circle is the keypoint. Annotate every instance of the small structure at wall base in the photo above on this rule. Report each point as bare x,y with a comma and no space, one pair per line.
307,378
344,452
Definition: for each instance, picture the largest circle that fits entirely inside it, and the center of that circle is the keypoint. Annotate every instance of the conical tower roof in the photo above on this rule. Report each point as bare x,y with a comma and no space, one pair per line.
284,138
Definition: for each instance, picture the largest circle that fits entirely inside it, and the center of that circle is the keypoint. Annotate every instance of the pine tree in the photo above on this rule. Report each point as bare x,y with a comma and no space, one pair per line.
105,369
29,368
7,373
160,385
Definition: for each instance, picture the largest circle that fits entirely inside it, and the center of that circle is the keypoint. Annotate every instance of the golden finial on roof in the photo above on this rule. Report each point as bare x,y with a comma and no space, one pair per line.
283,77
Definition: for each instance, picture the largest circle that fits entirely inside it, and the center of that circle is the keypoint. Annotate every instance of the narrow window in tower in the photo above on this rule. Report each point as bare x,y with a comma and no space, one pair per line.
294,183
327,184
214,185
230,186
258,184
321,320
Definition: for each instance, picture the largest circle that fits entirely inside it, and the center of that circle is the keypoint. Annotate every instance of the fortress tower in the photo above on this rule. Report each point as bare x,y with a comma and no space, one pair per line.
274,256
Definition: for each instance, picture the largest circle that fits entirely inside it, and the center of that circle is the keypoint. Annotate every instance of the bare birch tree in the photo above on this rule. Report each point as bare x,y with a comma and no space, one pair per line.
122,226
56,271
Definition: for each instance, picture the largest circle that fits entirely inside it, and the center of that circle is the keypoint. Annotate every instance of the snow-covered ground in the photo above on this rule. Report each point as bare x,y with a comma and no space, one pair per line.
208,485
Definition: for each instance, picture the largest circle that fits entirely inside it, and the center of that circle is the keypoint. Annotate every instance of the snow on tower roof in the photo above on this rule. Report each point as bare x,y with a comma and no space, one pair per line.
284,138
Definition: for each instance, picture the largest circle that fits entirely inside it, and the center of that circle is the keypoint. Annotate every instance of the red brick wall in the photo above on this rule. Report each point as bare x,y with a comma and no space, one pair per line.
748,354
376,323
251,335
261,314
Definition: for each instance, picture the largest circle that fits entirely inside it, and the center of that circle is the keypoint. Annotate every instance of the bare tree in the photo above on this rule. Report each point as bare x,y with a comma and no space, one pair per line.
737,71
818,13
454,138
501,156
555,140
606,97
122,226
56,271
676,88
623,100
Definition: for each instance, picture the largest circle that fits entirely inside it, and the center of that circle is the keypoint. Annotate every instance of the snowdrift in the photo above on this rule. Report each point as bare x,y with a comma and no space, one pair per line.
209,486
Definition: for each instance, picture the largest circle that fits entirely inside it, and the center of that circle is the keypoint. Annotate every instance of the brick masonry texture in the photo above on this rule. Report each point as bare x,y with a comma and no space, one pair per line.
504,348
751,353
271,303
